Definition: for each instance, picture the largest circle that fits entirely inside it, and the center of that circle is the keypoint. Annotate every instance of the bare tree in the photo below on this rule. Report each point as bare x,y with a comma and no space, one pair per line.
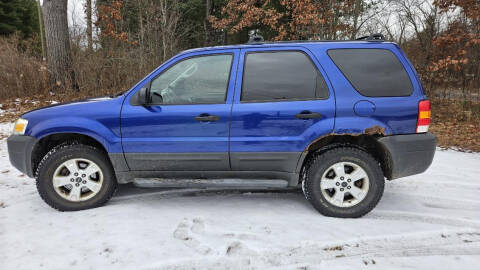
40,24
88,11
169,17
362,12
423,17
393,25
58,43
206,24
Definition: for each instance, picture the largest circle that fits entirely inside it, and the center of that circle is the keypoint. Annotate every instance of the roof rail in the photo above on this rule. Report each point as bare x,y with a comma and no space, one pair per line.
373,37
254,37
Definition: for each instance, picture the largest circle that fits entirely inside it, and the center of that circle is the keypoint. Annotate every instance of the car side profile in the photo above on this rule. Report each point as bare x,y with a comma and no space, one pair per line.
336,118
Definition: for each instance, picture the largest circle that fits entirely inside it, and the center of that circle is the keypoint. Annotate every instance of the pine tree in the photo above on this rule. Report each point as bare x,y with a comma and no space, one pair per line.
18,16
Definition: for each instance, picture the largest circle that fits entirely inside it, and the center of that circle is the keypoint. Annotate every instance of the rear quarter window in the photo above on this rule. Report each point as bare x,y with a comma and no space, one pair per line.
373,72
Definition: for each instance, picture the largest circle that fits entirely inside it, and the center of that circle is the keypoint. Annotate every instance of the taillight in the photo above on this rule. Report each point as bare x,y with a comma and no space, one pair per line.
424,114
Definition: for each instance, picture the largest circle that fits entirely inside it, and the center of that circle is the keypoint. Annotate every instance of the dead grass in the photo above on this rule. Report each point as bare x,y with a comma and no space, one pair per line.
456,125
24,74
21,74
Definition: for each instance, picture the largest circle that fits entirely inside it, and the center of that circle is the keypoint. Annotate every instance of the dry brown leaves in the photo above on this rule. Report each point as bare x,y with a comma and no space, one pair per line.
14,108
455,126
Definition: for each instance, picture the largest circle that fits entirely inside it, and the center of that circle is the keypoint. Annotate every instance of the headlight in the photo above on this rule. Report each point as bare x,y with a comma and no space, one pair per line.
20,126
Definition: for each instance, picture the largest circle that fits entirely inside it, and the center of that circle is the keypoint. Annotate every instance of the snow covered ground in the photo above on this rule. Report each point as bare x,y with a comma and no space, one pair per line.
428,221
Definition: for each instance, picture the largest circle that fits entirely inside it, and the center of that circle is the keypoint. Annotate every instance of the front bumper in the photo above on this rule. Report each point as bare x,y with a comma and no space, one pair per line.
408,154
20,152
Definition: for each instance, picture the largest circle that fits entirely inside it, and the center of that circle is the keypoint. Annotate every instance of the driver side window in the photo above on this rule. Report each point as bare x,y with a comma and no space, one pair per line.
196,80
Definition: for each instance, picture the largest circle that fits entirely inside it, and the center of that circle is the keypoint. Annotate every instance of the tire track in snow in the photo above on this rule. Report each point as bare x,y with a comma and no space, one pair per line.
375,214
450,242
422,217
474,204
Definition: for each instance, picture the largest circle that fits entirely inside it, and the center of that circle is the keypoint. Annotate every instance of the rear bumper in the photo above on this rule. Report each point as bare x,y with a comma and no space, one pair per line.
408,154
20,152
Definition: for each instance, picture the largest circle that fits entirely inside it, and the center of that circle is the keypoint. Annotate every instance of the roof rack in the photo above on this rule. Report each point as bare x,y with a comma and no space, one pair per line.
373,37
254,37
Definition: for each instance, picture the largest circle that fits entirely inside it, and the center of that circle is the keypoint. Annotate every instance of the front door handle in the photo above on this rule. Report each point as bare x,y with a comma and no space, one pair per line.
205,117
308,115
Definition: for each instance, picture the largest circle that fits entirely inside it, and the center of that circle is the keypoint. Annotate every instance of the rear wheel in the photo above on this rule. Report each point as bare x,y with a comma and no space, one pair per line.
343,182
75,177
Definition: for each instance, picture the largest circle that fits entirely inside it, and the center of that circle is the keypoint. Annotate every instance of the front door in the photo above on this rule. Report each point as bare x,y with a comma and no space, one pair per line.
185,125
284,103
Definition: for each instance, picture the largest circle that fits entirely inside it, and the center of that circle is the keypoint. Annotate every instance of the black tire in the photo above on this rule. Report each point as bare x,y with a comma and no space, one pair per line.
62,153
318,164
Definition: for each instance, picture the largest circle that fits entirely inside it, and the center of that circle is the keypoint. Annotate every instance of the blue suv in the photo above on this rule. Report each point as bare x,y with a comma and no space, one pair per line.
336,118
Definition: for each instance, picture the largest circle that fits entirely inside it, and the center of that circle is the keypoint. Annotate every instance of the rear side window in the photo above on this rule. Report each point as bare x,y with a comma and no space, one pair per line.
278,76
373,72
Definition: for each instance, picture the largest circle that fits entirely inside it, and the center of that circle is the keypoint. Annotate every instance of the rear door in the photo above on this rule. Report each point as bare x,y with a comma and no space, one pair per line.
283,101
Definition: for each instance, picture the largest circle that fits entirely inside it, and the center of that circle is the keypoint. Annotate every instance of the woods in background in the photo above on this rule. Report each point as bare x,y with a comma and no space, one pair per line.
120,41
123,40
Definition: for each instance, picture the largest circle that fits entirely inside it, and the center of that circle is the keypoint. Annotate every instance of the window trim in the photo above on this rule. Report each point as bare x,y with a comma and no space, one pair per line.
353,86
188,58
281,100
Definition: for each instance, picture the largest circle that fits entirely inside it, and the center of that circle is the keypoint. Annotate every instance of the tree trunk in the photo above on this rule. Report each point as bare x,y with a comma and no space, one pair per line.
163,13
206,24
58,44
40,25
356,17
88,7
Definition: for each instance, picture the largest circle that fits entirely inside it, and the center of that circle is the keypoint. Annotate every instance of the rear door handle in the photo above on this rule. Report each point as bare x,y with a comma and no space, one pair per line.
308,115
205,117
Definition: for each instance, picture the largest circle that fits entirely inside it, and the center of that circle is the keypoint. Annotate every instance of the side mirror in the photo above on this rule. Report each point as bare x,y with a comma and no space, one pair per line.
140,98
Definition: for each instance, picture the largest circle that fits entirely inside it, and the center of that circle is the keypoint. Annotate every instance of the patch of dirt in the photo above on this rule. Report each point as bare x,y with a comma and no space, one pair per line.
238,248
335,248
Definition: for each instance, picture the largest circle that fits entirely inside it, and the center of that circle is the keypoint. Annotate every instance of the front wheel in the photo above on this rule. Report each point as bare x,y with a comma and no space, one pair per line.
343,182
75,177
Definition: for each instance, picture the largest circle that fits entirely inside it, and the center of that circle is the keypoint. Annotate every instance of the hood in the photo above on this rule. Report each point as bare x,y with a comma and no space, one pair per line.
71,104
83,108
